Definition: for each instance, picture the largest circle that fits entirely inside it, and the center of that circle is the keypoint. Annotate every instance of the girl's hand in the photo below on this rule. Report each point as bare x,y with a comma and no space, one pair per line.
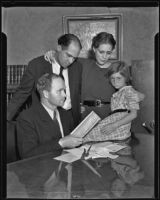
49,56
141,96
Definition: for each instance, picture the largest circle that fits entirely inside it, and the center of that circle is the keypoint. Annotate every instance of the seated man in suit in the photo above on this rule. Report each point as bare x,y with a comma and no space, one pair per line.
45,126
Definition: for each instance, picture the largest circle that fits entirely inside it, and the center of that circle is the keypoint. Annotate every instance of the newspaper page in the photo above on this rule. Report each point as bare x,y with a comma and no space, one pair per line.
86,125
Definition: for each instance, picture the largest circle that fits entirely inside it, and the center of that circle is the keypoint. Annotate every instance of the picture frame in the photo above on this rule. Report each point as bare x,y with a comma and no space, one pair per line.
87,26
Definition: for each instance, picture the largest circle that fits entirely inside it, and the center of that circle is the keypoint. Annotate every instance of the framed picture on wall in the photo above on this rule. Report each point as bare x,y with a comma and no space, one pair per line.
87,26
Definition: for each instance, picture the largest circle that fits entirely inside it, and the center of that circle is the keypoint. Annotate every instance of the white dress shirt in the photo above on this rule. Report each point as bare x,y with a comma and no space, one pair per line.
51,114
56,69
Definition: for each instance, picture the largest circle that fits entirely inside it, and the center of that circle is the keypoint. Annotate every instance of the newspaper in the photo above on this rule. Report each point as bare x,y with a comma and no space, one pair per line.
86,125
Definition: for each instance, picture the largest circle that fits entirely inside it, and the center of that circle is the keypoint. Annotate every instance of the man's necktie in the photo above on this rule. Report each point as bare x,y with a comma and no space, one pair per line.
56,120
61,72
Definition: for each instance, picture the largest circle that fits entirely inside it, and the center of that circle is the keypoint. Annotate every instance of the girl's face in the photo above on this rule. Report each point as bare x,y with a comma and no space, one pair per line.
103,53
117,80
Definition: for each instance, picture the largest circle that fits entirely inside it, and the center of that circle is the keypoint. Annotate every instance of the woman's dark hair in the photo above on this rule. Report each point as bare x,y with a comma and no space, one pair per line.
101,38
66,39
122,68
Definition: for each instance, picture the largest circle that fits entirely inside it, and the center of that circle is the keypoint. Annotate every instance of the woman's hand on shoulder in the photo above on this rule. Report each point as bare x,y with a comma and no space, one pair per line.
135,95
141,96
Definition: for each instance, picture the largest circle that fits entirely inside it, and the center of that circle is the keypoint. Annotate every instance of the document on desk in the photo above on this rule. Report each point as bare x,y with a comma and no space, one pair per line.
103,149
108,146
97,150
68,157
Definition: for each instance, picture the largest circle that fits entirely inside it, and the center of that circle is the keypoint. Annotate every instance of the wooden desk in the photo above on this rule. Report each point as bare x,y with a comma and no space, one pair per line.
39,177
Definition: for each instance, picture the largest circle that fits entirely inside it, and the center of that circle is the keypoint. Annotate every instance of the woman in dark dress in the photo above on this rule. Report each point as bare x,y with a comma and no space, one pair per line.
96,90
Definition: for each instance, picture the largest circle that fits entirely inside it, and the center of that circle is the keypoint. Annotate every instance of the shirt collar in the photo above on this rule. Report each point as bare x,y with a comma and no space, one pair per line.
57,66
50,111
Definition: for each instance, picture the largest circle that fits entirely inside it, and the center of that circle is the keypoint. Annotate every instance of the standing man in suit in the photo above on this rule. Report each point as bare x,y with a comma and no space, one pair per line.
66,54
43,127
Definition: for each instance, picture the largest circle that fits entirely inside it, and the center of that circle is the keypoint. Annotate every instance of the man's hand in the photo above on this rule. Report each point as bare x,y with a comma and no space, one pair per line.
70,141
49,56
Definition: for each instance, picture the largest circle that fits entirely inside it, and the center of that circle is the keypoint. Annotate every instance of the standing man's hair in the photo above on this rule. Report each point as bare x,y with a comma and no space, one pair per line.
66,39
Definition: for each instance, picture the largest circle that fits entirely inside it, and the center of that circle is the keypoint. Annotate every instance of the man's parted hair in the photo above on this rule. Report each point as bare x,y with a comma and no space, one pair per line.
45,81
66,39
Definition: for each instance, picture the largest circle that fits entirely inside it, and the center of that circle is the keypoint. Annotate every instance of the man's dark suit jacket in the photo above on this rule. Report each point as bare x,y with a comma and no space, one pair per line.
37,133
36,68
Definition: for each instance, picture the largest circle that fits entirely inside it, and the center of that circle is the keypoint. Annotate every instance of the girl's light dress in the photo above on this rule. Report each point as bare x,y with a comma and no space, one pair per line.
125,98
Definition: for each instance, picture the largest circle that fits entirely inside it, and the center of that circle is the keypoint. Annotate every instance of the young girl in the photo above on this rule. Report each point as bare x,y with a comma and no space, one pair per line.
124,106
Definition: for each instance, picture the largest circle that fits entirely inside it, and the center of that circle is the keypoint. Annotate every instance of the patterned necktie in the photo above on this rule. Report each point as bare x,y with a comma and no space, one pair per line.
61,72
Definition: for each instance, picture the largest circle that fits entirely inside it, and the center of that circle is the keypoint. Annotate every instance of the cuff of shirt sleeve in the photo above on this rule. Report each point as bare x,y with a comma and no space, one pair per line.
60,143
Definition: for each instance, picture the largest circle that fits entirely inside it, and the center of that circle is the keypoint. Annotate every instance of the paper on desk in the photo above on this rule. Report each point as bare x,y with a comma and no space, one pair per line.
97,155
103,149
68,157
100,153
115,147
105,146
76,151
98,150
92,154
73,155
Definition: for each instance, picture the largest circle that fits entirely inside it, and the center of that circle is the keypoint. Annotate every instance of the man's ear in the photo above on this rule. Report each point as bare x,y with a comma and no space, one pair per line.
59,48
45,94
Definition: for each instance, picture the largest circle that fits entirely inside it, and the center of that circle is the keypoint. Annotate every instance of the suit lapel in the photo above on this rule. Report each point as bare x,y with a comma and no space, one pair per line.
65,120
43,113
45,118
48,68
